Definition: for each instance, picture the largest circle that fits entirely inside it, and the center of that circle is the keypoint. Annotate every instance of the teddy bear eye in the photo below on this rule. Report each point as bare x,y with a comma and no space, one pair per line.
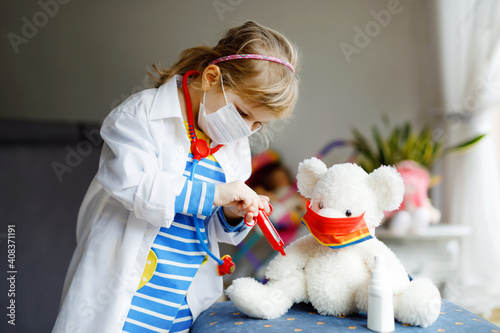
348,213
321,206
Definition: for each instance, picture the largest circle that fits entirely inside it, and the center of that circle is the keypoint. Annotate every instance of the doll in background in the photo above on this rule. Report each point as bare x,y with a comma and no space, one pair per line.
272,179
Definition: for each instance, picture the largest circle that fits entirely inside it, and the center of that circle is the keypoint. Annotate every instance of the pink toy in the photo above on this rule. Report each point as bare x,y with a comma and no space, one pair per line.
416,211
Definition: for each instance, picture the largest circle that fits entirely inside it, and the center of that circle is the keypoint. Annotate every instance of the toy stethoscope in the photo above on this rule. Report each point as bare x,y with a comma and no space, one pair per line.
201,149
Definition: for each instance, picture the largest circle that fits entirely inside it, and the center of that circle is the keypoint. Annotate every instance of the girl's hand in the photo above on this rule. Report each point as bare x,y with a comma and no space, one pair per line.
236,212
239,200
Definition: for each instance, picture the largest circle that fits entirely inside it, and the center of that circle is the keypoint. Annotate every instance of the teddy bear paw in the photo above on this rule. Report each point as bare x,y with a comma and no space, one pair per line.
257,300
419,304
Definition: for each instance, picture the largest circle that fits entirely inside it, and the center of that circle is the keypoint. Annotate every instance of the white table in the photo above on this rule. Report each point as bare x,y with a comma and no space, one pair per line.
433,253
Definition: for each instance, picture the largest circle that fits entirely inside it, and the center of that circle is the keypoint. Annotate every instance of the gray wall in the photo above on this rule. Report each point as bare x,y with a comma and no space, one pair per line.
92,54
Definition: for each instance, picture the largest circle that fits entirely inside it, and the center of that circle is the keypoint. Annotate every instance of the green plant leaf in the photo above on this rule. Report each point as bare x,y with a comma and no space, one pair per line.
426,134
381,146
405,134
402,143
465,144
394,146
362,146
427,153
437,153
408,151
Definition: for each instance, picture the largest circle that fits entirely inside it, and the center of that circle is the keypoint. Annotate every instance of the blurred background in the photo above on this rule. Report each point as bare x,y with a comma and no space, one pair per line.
433,65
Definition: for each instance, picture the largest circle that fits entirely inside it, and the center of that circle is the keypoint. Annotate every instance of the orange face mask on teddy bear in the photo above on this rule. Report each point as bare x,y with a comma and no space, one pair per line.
336,232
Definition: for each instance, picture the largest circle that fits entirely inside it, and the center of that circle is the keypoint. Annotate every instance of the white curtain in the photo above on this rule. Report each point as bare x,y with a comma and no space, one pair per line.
468,50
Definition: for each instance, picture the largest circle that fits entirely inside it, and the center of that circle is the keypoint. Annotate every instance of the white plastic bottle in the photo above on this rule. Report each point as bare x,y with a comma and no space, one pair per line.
380,307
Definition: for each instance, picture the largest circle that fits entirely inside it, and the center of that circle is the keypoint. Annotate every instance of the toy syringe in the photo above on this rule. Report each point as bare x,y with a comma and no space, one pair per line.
272,236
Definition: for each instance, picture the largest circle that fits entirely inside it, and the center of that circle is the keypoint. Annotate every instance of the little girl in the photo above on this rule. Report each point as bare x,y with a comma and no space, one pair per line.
170,186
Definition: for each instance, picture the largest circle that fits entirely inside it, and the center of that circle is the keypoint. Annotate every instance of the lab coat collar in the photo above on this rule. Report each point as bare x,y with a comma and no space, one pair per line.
166,102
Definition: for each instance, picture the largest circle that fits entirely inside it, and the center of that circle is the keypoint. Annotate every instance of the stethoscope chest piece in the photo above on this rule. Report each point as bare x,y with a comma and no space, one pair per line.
200,149
227,267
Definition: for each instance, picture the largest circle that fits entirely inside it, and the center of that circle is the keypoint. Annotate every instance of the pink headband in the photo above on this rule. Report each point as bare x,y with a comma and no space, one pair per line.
253,56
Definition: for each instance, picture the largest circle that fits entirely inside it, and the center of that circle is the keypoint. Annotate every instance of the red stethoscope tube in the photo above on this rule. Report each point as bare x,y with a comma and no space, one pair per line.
199,147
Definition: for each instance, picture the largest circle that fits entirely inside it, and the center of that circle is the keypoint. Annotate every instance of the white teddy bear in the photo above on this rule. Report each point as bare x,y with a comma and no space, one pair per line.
330,268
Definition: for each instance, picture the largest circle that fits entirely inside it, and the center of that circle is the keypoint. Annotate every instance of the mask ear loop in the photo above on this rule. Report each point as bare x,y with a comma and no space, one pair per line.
223,91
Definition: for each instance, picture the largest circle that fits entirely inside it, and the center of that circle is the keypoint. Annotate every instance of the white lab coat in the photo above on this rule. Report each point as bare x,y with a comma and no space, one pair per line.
131,197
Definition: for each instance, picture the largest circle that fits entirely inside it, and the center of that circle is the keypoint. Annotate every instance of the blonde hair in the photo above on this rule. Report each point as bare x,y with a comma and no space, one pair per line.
263,83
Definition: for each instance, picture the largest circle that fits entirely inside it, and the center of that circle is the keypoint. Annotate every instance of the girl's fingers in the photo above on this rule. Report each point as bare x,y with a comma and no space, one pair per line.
249,217
247,202
267,207
257,205
264,203
264,198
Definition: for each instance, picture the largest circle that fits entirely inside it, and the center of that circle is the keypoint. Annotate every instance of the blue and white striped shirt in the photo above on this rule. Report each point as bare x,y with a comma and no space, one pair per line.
160,305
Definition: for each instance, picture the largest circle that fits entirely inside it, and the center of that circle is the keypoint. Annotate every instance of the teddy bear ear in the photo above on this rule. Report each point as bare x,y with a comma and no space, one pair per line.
308,175
388,186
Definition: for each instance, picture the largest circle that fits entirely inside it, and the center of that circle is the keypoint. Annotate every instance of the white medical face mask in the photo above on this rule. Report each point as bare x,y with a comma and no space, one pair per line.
225,125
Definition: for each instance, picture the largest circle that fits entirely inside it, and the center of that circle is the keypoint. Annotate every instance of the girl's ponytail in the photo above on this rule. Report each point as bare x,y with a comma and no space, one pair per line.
196,58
